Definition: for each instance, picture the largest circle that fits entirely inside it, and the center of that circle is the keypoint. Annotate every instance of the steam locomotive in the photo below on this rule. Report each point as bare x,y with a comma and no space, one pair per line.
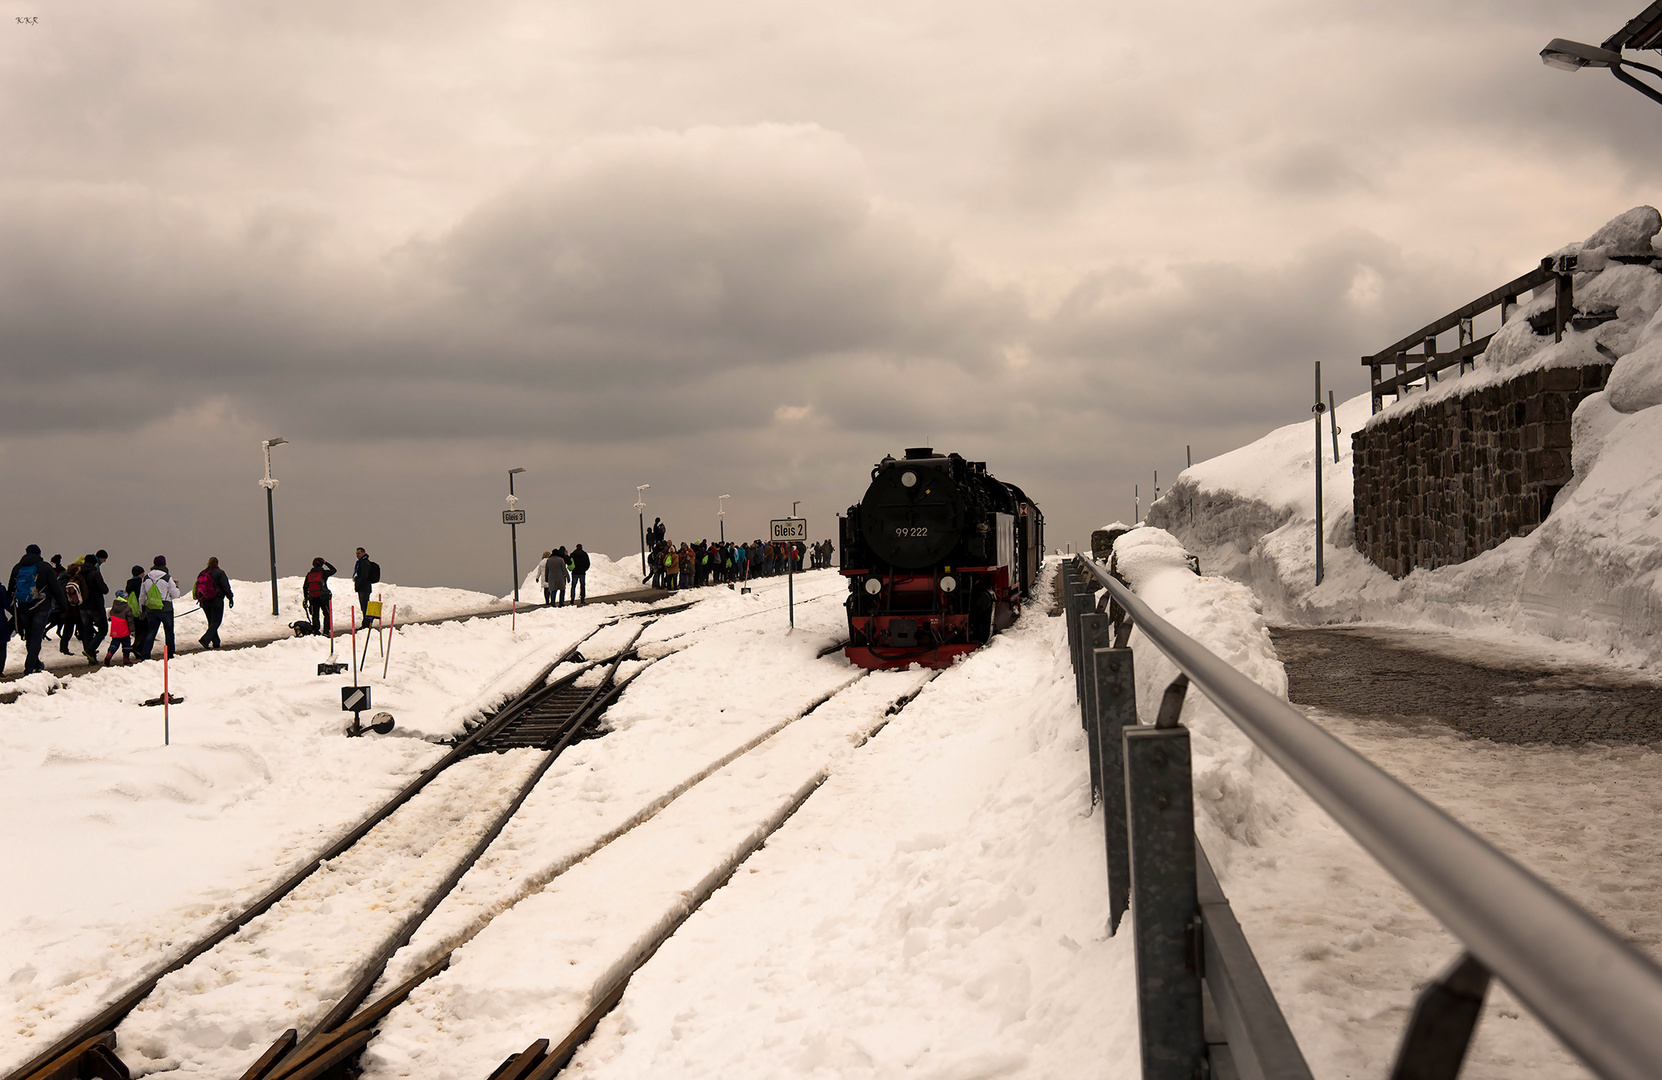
939,556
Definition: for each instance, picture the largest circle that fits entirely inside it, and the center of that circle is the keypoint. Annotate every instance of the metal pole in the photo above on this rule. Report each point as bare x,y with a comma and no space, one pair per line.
721,515
1319,407
1333,422
513,534
1189,456
640,512
271,532
270,485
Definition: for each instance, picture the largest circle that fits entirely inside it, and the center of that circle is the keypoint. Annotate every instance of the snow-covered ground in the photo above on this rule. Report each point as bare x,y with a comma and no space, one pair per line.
935,906
1589,579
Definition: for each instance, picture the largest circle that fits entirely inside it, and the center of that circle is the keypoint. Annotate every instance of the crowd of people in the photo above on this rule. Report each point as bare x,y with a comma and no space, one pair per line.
42,596
693,565
560,569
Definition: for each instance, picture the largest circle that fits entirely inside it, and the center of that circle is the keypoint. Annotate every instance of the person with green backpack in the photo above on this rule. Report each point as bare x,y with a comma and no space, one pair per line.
156,595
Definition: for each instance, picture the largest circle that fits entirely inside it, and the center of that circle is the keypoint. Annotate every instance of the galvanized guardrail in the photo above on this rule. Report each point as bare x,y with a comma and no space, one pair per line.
1601,996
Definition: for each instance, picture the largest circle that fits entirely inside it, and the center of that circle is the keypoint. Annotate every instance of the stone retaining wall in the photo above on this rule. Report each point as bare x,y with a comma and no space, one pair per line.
1443,483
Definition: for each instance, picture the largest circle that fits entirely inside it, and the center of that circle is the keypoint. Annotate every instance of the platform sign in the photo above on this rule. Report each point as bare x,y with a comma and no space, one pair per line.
790,529
513,517
354,699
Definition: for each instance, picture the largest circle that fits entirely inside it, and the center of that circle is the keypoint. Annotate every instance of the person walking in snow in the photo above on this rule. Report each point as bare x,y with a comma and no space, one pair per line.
5,624
539,577
34,588
92,623
579,575
212,591
320,606
121,628
156,595
555,575
365,575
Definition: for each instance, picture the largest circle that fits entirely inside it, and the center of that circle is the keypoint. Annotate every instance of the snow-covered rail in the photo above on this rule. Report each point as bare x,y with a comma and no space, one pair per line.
1601,996
85,1039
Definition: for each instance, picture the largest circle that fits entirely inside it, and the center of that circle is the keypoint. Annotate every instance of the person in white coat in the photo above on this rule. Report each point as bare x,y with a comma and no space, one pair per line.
156,595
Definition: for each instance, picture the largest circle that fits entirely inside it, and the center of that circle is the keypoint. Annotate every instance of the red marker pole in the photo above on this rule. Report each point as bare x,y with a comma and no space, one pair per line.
166,699
352,611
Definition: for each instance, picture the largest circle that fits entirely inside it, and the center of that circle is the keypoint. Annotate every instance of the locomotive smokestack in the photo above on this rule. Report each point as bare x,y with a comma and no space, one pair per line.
919,452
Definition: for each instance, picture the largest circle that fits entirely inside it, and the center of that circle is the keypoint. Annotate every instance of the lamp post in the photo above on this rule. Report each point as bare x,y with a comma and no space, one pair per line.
270,485
721,515
513,529
640,512
1574,55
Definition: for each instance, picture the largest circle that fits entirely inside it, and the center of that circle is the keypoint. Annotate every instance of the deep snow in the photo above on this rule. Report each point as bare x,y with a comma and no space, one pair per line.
1587,579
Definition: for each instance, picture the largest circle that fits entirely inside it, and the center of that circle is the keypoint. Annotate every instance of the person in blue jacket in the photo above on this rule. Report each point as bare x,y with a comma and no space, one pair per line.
36,590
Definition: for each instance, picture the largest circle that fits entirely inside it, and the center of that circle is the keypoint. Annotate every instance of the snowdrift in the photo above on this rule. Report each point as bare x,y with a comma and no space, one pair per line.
1587,577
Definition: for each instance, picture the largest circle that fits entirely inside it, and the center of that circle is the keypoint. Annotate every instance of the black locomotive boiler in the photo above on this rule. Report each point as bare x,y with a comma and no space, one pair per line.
939,556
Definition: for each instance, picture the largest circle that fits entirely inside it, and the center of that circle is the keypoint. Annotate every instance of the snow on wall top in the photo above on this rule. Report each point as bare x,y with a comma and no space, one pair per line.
1633,292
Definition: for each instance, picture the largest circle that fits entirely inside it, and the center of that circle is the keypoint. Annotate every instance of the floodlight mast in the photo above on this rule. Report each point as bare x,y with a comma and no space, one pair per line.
640,512
270,519
1566,55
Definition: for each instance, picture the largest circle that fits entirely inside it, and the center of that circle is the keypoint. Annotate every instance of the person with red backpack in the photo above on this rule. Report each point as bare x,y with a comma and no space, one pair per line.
319,600
212,591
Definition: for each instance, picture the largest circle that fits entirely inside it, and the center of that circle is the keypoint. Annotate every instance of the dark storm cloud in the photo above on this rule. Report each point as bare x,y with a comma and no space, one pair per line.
656,281
689,252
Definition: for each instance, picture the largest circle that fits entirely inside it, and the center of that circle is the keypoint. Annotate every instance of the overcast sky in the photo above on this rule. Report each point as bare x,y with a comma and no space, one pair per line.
730,248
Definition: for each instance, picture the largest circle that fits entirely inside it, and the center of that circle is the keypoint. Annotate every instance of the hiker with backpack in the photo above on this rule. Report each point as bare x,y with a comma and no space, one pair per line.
365,576
155,598
69,616
212,591
35,589
121,628
319,600
93,591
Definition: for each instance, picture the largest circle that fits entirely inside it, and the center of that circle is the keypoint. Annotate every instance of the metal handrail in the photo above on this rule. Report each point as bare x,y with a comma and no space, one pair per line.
1601,996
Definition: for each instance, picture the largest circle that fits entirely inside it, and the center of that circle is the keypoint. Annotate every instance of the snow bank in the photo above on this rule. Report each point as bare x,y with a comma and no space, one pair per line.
1589,579
1239,793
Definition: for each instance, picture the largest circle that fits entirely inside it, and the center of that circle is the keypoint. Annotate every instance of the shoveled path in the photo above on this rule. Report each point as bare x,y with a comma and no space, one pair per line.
1410,679
50,648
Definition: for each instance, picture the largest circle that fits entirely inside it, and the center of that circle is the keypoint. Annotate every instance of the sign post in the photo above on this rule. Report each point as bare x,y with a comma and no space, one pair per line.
785,531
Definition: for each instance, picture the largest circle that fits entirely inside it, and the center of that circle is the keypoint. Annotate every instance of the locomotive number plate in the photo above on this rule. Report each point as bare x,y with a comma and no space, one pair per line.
912,530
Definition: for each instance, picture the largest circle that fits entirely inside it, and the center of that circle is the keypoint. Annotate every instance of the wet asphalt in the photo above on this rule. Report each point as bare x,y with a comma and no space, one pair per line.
1409,679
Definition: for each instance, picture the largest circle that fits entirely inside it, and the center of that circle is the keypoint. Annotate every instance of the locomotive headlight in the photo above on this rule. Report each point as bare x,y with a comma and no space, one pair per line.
908,479
948,583
873,586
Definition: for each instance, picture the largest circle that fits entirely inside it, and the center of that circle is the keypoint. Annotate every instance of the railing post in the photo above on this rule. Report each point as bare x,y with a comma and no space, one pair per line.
1073,606
1564,290
1115,694
1164,898
1094,633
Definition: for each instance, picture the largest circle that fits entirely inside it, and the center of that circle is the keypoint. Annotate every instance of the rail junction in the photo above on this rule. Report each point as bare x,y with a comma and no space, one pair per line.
466,799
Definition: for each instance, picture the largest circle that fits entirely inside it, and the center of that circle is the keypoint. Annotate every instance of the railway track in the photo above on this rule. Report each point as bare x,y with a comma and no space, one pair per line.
543,720
85,1041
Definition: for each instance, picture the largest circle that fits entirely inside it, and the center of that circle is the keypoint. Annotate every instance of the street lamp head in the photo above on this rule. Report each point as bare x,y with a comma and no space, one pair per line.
513,471
1573,55
279,441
